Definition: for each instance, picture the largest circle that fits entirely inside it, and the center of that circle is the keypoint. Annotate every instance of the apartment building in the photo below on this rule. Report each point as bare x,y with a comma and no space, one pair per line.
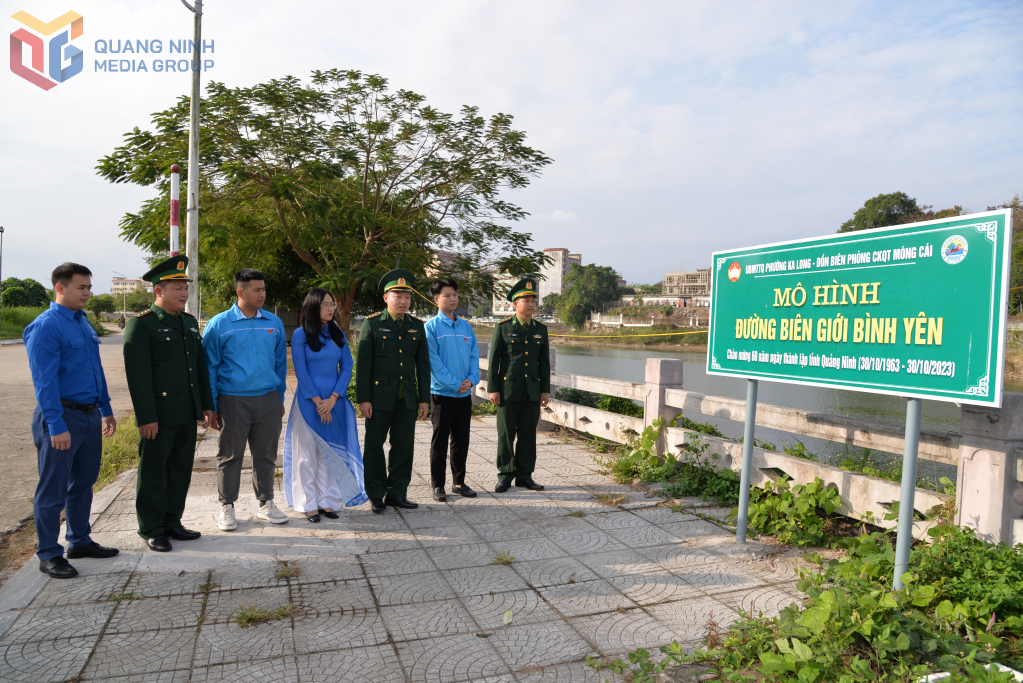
553,281
123,285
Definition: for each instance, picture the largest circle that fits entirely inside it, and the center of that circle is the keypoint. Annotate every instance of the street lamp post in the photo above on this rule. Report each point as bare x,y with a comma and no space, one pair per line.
1,264
192,225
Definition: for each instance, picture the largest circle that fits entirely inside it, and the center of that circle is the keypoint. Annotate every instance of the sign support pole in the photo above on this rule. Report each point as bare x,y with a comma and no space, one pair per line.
906,511
747,460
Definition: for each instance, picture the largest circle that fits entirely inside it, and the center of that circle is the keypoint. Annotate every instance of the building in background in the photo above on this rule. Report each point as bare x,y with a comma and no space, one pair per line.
502,308
123,285
691,287
553,281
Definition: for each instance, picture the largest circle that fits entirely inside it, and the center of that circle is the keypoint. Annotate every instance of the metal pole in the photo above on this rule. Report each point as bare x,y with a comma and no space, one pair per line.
905,534
1,263
175,209
747,460
192,225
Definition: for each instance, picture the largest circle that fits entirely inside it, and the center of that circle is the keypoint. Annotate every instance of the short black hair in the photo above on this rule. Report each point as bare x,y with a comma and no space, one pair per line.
438,285
247,275
67,270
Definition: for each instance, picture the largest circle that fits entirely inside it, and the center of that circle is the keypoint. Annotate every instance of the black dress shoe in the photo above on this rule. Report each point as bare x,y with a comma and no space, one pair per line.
403,503
438,495
377,505
57,568
93,549
329,514
528,484
502,486
183,534
463,490
160,543
315,519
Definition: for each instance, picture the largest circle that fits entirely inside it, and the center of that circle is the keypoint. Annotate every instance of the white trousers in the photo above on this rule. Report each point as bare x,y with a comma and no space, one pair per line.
312,484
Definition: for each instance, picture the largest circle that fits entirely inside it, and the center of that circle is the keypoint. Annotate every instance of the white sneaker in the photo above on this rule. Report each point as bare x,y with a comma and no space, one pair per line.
270,513
226,521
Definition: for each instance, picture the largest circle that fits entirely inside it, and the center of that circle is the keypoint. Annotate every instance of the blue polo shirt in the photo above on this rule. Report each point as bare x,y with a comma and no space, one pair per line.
454,355
63,355
245,356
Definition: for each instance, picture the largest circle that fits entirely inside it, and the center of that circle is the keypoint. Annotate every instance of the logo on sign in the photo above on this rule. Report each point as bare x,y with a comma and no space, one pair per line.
62,59
954,249
734,271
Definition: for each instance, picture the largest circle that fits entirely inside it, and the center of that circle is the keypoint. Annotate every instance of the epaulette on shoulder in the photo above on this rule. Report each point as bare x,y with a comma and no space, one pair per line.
414,317
188,314
540,323
144,313
505,320
375,315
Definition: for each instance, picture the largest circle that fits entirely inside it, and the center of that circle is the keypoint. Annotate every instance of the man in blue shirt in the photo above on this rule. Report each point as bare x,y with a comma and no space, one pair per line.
247,358
454,370
63,355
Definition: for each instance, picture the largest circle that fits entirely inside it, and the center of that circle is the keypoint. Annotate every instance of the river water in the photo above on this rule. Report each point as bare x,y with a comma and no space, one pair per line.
629,365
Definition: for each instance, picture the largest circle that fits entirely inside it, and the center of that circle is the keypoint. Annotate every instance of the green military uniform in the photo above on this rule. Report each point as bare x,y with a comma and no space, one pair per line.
519,370
393,373
169,385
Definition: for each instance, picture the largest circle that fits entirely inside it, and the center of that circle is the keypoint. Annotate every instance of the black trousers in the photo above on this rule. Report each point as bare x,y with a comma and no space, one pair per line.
451,417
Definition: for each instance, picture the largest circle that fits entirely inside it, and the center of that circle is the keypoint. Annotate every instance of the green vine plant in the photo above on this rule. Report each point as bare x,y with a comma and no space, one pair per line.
795,514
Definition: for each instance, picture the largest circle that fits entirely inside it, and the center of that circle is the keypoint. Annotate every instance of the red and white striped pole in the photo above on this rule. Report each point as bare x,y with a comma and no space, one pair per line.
175,209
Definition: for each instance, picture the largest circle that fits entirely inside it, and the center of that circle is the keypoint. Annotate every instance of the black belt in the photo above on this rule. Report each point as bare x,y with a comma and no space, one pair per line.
84,407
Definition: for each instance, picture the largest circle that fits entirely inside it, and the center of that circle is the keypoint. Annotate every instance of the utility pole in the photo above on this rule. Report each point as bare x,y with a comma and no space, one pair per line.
192,226
1,262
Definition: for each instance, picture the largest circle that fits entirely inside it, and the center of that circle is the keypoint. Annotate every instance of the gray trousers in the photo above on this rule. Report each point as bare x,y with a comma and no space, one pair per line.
257,421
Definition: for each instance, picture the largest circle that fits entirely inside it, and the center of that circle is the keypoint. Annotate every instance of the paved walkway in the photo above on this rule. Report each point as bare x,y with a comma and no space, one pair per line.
407,596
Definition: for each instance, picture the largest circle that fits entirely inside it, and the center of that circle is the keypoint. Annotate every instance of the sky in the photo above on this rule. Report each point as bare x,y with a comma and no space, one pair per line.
676,128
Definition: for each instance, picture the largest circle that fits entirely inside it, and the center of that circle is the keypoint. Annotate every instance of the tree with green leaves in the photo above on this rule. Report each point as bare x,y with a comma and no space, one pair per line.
586,288
27,292
896,208
102,303
138,300
1016,273
349,176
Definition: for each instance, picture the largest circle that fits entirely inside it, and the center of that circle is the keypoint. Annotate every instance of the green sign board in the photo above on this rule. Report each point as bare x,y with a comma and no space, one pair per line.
914,310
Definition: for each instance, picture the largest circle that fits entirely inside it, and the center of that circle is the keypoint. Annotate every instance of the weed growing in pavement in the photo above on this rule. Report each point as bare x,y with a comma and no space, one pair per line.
611,499
118,597
287,570
577,513
504,557
255,614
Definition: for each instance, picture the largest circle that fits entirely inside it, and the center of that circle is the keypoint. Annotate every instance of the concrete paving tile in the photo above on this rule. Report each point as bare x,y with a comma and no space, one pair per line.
569,672
768,601
696,528
515,529
152,614
227,642
585,597
278,670
643,536
471,581
398,590
590,541
321,569
135,653
661,515
540,644
452,534
650,589
397,562
427,620
459,556
49,623
687,619
463,657
553,571
526,606
322,631
247,575
616,519
623,631
152,584
531,549
365,665
44,661
708,573
386,541
619,562
334,596
82,589
173,676
426,519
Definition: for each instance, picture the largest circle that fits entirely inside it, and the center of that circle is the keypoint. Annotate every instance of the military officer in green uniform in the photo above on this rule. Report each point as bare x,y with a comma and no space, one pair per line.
519,382
170,390
392,388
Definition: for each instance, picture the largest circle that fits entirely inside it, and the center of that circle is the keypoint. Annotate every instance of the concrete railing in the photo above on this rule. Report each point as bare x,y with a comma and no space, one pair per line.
989,454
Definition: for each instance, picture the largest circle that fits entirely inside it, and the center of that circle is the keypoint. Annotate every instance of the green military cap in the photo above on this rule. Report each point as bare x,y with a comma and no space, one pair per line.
524,287
399,279
171,269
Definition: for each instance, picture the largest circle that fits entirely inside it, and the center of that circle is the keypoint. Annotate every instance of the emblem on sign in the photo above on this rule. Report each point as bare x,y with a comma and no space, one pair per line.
954,249
734,271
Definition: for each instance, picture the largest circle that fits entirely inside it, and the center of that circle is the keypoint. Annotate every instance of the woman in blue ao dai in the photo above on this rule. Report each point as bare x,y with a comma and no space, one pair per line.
323,468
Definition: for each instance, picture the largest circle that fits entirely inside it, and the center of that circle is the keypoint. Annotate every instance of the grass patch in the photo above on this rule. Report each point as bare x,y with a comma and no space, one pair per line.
118,597
504,557
14,320
208,587
487,408
577,513
120,451
288,570
253,614
611,499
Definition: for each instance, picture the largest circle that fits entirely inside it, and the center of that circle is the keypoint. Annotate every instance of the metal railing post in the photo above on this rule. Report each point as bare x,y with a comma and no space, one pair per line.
905,534
747,460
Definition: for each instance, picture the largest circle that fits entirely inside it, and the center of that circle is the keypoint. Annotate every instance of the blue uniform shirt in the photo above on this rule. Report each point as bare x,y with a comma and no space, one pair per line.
454,355
245,356
63,355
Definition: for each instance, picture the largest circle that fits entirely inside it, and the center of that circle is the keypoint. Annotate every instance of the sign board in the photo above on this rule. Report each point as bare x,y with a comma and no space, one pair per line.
913,310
